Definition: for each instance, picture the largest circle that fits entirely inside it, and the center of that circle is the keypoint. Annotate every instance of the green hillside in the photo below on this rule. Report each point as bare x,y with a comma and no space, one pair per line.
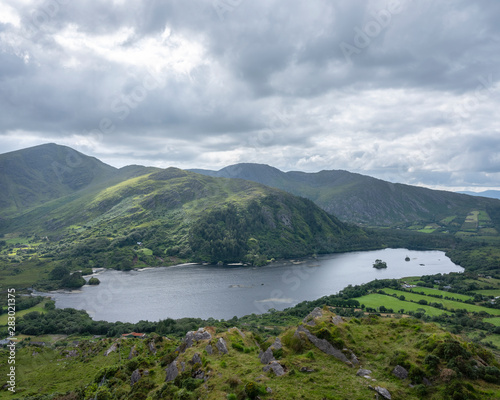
365,200
323,357
169,216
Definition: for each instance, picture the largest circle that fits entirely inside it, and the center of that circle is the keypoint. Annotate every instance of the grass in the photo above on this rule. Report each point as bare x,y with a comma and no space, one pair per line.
375,300
430,291
448,304
495,321
39,307
489,292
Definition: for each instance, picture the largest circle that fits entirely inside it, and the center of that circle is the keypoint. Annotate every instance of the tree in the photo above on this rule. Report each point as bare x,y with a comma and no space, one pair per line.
59,273
379,264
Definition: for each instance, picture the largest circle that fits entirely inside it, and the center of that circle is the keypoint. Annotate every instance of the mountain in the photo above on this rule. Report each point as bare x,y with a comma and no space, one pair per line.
37,175
492,194
167,216
365,200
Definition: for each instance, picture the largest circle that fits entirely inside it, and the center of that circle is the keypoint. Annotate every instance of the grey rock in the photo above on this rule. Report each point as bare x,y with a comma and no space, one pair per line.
237,330
196,359
426,381
132,354
34,354
277,344
354,359
110,350
363,372
269,390
209,349
221,346
196,336
276,367
383,392
183,366
322,344
72,353
152,347
305,369
198,374
172,371
400,372
267,356
136,375
309,319
337,320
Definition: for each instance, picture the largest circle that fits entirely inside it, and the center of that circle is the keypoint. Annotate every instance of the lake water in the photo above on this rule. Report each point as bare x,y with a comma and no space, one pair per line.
225,291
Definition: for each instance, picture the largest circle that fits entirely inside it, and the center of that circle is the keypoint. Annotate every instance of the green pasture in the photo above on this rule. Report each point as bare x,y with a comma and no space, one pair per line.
375,300
449,304
430,291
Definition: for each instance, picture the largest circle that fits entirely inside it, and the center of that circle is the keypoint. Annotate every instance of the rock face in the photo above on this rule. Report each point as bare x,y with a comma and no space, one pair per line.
172,371
152,347
309,319
364,372
196,359
322,344
383,392
400,372
136,375
221,346
196,336
267,356
276,367
132,354
337,320
110,350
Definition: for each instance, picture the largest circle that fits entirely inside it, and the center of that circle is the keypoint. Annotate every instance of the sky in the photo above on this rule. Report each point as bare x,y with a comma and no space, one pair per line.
406,91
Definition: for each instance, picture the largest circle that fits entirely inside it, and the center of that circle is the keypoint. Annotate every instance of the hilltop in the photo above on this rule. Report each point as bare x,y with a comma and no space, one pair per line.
324,356
369,201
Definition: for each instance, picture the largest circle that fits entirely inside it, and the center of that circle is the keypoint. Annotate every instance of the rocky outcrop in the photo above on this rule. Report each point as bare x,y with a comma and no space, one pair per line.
337,320
309,319
113,347
221,346
400,372
267,356
322,344
136,375
365,373
133,353
209,349
172,371
276,367
382,391
196,336
196,359
152,347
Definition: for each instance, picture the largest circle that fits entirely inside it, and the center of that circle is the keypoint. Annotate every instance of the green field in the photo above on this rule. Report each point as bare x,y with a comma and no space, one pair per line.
495,321
489,292
449,304
376,300
430,291
39,307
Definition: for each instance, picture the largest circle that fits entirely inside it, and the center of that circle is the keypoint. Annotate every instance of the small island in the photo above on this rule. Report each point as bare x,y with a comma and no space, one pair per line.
379,264
407,258
94,281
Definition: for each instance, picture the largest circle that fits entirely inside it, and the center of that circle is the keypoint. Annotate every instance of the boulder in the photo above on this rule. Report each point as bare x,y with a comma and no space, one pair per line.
152,347
267,356
305,369
136,375
309,319
209,349
196,359
383,392
111,349
276,367
172,371
337,320
132,354
400,372
364,372
322,344
196,336
221,346
198,374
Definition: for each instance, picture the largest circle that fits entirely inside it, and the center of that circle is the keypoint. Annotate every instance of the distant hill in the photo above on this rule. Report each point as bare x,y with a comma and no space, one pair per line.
91,214
362,199
492,194
36,175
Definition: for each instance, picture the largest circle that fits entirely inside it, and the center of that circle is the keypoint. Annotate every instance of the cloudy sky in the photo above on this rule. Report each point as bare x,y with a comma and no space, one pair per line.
407,91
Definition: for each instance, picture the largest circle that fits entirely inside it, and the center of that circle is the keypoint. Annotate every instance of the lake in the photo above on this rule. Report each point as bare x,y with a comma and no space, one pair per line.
221,292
